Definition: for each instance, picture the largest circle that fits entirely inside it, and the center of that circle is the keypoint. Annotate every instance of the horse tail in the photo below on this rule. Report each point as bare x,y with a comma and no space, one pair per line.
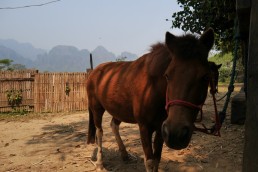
91,129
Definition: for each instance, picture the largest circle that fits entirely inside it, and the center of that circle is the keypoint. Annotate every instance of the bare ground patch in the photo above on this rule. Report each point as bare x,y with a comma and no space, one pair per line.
57,142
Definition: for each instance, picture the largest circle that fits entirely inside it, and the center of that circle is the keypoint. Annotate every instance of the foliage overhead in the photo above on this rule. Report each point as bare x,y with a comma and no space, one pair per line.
198,15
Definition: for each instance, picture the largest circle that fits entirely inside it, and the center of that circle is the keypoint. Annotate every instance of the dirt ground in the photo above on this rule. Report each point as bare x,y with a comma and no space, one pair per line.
57,142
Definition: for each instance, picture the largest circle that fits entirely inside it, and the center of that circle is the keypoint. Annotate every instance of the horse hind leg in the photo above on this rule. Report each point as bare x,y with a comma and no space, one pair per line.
115,128
99,163
91,129
97,115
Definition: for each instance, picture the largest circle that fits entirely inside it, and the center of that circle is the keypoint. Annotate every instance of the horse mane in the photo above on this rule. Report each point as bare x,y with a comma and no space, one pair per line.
158,59
182,47
158,50
185,47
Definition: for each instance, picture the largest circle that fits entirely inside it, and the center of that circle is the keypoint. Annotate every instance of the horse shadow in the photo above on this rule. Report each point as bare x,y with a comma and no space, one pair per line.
64,139
112,161
60,134
59,139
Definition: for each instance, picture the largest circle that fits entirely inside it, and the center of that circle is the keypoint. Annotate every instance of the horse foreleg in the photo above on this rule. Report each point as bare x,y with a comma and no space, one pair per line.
151,164
157,145
115,128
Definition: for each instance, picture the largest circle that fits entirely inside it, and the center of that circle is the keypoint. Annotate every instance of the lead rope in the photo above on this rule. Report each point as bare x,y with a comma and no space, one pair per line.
217,126
222,114
215,130
220,117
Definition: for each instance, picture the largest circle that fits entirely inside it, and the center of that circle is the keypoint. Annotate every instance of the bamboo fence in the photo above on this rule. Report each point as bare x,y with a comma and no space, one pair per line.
45,92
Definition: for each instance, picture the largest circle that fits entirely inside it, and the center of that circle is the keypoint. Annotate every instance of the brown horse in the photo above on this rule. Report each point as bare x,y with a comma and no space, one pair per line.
174,75
215,76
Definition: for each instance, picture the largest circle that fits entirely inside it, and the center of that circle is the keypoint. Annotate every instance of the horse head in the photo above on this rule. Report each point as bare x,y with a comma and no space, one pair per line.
188,75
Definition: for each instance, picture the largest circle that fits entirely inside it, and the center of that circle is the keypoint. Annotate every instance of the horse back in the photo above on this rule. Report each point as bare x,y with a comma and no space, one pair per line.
125,90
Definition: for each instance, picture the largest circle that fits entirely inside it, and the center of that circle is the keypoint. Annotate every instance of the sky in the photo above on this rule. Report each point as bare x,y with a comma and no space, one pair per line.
118,25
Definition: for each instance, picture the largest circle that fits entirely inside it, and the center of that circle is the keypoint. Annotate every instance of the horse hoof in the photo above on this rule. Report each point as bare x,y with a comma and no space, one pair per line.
152,165
100,168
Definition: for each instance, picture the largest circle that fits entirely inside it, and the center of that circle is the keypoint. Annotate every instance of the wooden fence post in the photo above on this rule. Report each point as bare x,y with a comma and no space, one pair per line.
91,62
250,159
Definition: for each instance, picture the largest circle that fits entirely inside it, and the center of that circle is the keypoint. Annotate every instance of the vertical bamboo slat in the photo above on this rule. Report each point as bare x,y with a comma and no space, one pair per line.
45,92
50,95
17,81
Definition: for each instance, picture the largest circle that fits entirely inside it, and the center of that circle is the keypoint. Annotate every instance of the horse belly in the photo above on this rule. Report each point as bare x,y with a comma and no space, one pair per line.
114,87
121,112
124,117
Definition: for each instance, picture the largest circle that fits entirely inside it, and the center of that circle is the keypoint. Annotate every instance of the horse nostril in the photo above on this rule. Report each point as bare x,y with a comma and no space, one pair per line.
176,137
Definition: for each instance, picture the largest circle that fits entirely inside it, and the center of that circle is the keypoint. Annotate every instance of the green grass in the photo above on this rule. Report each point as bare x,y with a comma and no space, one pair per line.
224,59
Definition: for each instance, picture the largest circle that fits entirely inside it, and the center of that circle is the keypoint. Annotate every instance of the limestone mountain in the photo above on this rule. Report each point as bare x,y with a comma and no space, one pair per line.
61,58
7,53
26,50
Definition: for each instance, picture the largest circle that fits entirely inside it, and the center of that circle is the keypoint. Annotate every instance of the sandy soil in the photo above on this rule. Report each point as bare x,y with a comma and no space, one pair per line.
56,142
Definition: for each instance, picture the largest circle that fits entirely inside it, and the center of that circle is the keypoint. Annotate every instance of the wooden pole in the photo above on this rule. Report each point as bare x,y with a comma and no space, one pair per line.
91,62
250,160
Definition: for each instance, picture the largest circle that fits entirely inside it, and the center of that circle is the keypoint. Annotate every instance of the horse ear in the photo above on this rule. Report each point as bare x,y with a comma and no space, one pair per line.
169,38
207,38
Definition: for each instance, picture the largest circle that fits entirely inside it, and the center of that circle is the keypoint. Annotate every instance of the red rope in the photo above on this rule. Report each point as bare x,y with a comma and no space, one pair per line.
184,103
216,129
213,131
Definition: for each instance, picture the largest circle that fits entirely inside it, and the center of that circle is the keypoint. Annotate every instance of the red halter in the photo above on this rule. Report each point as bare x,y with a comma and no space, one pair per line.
214,131
181,102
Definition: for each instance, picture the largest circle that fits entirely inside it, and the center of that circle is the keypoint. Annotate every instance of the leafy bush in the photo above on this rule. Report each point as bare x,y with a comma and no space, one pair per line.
224,74
14,97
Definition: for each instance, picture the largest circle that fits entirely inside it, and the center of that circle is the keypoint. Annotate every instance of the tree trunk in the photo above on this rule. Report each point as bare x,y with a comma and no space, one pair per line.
250,160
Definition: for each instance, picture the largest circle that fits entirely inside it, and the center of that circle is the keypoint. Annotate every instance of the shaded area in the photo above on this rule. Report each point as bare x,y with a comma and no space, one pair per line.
62,139
61,134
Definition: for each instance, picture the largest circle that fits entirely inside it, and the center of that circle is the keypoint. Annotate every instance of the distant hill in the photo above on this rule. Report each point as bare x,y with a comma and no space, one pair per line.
7,53
61,58
101,55
24,49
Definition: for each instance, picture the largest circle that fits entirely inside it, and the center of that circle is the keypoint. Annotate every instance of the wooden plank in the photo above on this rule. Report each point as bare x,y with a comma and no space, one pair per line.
16,79
243,14
45,92
243,4
251,128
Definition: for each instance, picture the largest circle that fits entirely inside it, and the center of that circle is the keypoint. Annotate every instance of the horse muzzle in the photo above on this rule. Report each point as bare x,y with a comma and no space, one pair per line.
177,136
